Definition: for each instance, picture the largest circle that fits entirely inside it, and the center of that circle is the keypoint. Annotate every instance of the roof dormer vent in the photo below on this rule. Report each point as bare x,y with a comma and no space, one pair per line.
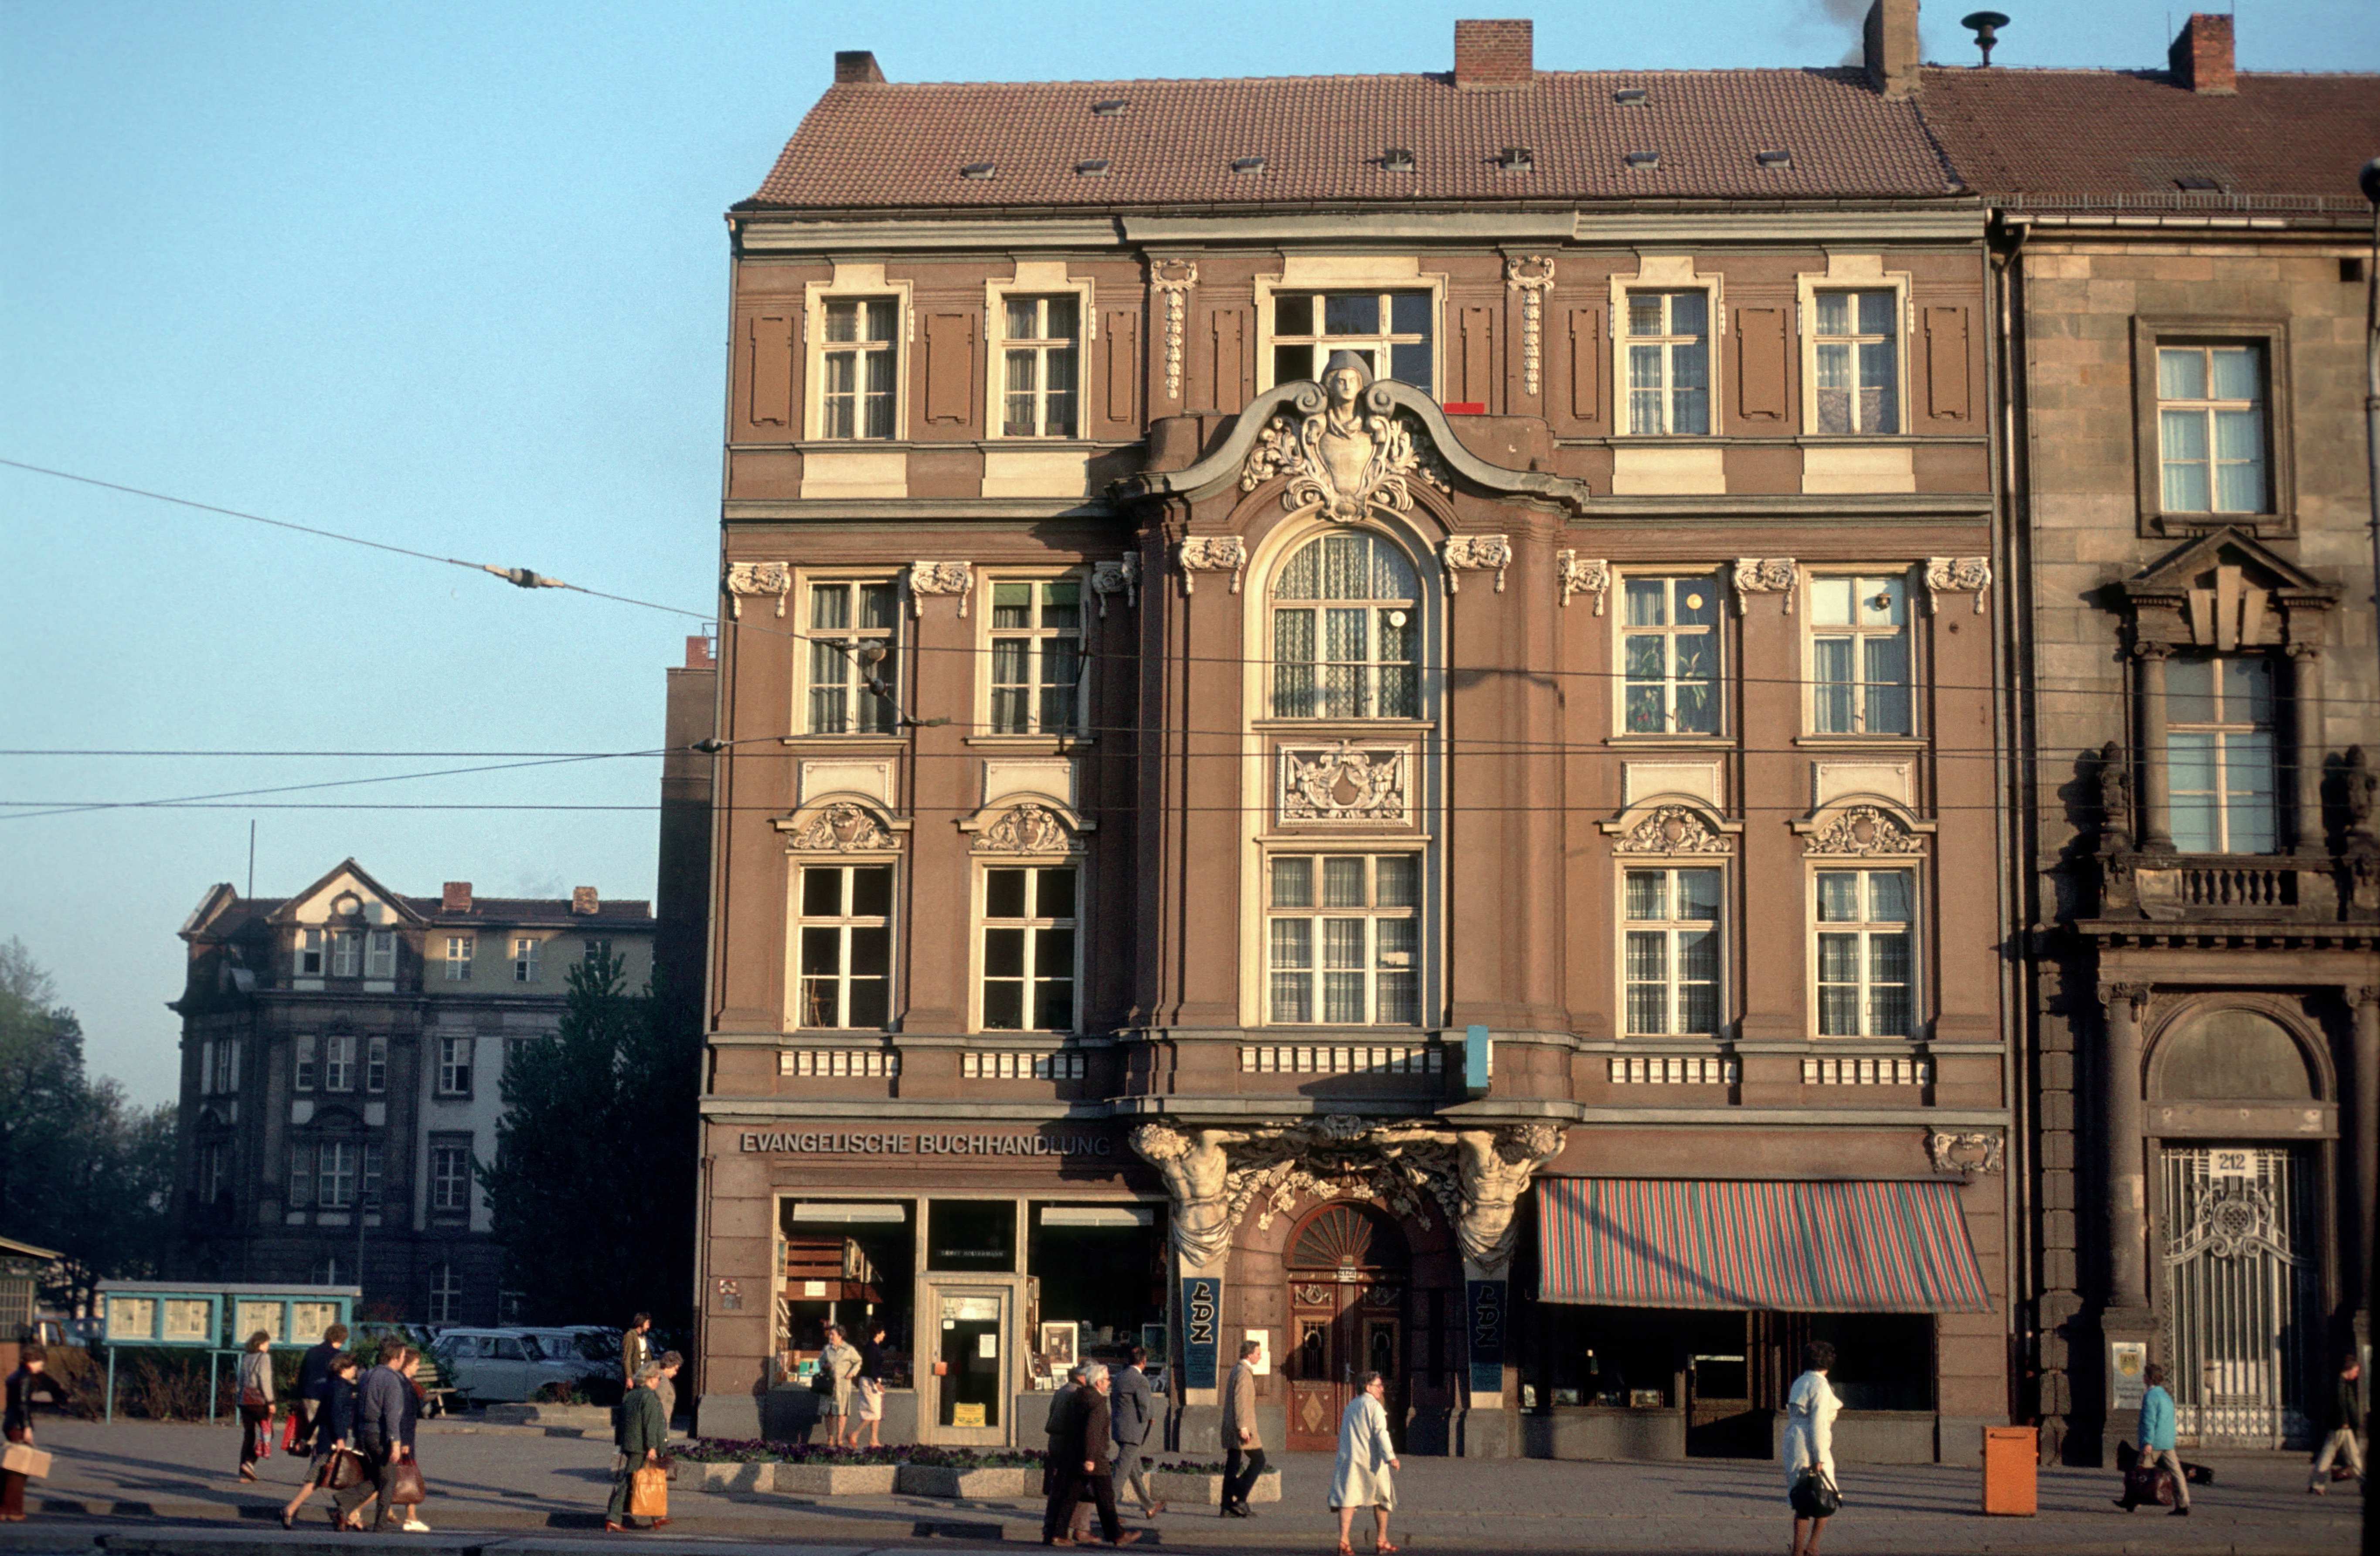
1109,107
1397,159
1247,165
1631,97
977,170
1644,162
1517,158
2198,183
1774,159
1091,167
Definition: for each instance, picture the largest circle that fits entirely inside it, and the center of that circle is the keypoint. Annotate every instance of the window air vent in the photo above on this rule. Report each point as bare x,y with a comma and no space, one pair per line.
1247,165
977,170
1644,162
1093,167
1779,157
1517,158
1631,97
2198,183
1108,107
1396,159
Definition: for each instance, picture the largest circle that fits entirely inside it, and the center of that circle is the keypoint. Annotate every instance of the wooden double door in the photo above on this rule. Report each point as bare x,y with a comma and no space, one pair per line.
1347,1286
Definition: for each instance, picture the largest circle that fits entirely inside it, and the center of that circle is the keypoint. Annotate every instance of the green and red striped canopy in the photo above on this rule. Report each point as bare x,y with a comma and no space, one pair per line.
1786,1246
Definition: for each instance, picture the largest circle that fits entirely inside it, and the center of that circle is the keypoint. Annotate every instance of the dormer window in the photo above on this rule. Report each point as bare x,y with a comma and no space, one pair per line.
310,953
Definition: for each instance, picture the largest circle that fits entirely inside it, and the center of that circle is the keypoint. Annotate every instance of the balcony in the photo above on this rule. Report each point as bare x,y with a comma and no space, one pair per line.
2232,888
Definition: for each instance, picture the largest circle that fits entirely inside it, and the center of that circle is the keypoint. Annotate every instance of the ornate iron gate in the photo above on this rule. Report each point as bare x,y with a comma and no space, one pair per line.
2240,1291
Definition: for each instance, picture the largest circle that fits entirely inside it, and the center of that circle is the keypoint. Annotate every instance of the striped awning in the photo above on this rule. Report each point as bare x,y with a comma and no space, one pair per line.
1793,1248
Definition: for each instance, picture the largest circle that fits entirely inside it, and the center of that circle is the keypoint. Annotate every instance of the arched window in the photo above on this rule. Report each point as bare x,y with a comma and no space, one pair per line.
1346,631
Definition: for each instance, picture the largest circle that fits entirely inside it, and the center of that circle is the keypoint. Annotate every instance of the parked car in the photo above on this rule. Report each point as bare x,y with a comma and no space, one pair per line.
503,1365
437,1389
597,1347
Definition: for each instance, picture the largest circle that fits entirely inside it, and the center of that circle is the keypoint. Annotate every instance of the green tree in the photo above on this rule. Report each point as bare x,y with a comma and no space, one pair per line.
592,1190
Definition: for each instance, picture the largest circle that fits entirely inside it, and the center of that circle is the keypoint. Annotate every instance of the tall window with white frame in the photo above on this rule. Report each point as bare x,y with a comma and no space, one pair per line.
455,1065
1040,356
854,633
1857,343
2210,429
2222,768
375,1064
380,953
1342,936
310,953
524,958
1028,948
1392,330
450,1176
1669,363
843,946
1036,656
1868,954
1670,953
459,948
859,367
304,1062
1670,649
347,954
445,1295
1859,656
1346,631
339,1061
338,1164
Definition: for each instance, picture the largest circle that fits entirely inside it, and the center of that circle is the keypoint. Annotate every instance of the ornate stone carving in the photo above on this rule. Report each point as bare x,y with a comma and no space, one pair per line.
2115,800
839,828
2359,786
2233,1216
1583,574
745,578
1119,576
1213,554
1958,575
1197,1177
1532,275
1172,279
1025,828
1673,829
1477,554
2136,995
1344,449
1864,831
1766,575
1343,782
1496,1167
940,577
1968,1152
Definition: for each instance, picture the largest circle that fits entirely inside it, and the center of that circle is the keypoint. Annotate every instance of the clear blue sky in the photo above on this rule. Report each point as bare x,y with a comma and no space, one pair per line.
453,276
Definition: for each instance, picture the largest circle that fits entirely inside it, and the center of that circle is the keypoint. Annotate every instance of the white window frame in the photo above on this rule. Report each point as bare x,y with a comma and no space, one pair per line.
301,1173
375,1065
857,281
460,949
312,952
380,953
594,947
843,923
2219,731
1378,348
525,957
1669,927
2207,410
1036,637
846,669
1669,633
1376,612
1314,914
373,1177
214,1167
455,1075
339,1061
1854,273
304,1062
1868,929
1858,634
347,954
339,1167
219,1067
445,1294
1031,923
1040,347
1666,341
1333,273
442,1180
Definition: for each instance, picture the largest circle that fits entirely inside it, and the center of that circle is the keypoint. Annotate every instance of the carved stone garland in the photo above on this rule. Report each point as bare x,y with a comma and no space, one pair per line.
1477,554
1345,451
1173,280
1213,554
1120,577
1958,575
1764,575
1532,275
1673,829
1344,783
1966,1152
1025,828
1862,831
841,828
940,577
1583,574
756,578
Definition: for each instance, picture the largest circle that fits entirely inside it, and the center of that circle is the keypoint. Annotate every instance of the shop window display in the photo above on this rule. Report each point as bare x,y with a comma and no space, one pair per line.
851,1263
1100,1269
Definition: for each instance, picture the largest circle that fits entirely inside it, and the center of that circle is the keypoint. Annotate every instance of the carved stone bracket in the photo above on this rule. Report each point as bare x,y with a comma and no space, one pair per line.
1583,574
1860,831
1344,783
1211,553
1172,279
1476,553
1119,576
1766,575
940,577
1958,575
1532,275
748,578
1968,1152
1668,830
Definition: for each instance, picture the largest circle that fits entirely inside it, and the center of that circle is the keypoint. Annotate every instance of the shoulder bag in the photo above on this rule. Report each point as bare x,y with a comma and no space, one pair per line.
1815,1495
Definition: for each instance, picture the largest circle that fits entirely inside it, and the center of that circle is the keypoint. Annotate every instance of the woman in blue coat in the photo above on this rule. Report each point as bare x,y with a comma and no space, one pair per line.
334,1428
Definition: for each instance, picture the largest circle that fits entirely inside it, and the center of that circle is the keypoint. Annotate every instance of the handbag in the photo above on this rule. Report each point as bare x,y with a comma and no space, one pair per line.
406,1486
649,1493
292,1439
1814,1496
23,1458
2145,1487
344,1468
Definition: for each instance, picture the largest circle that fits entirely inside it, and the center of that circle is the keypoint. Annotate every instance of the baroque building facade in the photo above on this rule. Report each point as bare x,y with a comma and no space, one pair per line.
1359,712
343,1052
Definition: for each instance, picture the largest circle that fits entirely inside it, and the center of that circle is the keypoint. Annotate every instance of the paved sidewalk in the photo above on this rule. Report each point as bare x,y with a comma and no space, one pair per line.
147,1488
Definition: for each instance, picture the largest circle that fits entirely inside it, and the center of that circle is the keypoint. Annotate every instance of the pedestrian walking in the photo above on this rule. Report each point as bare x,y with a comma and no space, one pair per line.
409,1368
253,1378
2156,1426
643,1435
1365,1475
1087,1468
2342,1413
1810,1408
666,1386
31,1378
314,1370
871,1386
331,1408
1244,1456
837,1365
1060,1427
1129,1402
379,1436
635,1350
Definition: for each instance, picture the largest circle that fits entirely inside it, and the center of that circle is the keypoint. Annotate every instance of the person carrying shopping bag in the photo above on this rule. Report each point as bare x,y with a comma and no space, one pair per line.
254,1381
643,1434
333,1415
30,1378
1810,1409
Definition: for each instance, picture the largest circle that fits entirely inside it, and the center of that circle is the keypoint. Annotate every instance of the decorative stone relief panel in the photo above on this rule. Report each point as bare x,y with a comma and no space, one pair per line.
1583,574
1476,553
1111,578
1532,275
1213,554
940,577
1862,831
1345,452
1672,830
1346,783
839,827
1028,828
747,579
1968,1152
1764,575
1172,279
1958,575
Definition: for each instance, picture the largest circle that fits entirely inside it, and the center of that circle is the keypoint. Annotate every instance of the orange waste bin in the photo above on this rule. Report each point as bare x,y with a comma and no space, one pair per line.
2011,1454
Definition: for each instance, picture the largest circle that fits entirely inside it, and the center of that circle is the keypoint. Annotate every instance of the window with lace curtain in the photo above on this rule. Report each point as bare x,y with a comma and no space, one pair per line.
1668,362
1856,340
851,622
1036,629
858,367
1342,939
1040,359
1859,656
1867,957
1346,630
1671,951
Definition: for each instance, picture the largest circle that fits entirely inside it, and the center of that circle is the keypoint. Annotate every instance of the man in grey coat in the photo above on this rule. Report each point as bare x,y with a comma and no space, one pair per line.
380,1432
1129,1399
1243,1455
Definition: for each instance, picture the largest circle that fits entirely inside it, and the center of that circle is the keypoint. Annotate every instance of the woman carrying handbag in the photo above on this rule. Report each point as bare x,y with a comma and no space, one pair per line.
1810,1411
20,1461
254,1378
335,1433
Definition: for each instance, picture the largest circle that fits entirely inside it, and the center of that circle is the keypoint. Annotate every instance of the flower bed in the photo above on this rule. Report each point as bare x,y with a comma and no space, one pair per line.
1196,1483
721,1450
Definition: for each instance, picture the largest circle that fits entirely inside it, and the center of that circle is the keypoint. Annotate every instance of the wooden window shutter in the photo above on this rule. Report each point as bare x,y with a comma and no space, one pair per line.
1228,335
769,370
1946,362
950,368
1478,326
1585,362
1760,367
1124,365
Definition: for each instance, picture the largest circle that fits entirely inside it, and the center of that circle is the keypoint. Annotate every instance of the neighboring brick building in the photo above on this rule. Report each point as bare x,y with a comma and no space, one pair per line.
1214,840
342,1051
2179,272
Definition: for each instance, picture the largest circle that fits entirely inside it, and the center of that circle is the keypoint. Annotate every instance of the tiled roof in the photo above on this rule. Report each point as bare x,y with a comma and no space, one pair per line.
872,145
2077,134
535,910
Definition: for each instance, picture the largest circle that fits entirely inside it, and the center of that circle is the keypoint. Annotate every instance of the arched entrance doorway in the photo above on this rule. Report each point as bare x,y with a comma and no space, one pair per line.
1348,1273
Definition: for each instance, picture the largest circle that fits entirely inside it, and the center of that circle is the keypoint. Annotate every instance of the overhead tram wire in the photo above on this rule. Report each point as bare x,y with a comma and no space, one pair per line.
527,579
64,808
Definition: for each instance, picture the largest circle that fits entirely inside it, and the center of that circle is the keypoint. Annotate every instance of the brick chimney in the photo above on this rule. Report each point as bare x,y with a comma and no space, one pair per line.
584,900
856,67
701,653
2201,57
1494,56
456,898
1889,44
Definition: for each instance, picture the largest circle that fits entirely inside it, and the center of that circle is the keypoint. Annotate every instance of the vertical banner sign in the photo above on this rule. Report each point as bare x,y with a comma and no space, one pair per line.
1479,1060
1202,1329
1486,1337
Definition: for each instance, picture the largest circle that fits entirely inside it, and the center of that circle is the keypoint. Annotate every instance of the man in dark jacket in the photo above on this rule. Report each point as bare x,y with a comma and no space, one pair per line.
1090,1443
380,1431
2342,1413
314,1368
1129,1399
644,1432
1059,1428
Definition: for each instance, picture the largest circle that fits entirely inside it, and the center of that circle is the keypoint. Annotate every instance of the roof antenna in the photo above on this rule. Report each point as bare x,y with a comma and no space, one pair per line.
1987,26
